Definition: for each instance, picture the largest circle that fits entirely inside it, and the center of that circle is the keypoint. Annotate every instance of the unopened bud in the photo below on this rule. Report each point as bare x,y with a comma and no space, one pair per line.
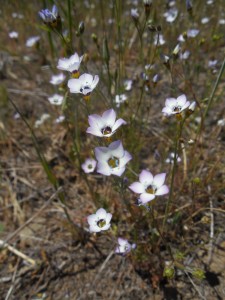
196,180
189,6
155,79
148,4
176,50
169,272
94,38
135,15
165,60
199,274
192,106
154,28
81,28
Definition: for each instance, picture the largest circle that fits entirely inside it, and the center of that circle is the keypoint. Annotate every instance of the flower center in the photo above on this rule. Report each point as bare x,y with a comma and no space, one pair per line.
177,109
101,223
113,162
89,166
150,189
106,130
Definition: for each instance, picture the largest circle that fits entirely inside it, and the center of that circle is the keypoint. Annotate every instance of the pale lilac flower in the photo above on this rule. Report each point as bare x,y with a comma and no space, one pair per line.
85,84
119,99
13,35
32,41
124,246
128,84
60,119
99,221
175,106
105,125
185,55
149,187
89,165
49,16
43,118
112,159
159,40
56,99
134,13
171,15
192,33
212,63
57,79
170,158
71,64
204,20
192,106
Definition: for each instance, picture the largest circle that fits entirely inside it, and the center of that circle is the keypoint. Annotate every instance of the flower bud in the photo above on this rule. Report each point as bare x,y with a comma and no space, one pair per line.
199,274
148,5
169,272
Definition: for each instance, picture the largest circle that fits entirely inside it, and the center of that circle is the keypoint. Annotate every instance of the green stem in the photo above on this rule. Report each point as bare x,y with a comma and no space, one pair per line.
70,22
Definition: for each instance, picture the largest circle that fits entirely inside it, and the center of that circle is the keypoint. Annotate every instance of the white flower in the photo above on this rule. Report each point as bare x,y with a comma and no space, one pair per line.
171,15
85,84
175,106
124,246
222,21
159,40
49,16
57,79
134,13
32,41
128,84
149,187
192,106
221,122
204,20
13,35
43,118
212,63
120,99
185,55
170,158
56,99
192,33
60,119
112,159
89,165
71,64
105,125
99,221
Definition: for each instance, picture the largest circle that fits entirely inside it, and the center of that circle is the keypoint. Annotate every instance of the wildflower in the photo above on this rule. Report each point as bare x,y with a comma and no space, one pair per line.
147,4
43,118
124,246
149,187
192,106
185,55
134,14
51,18
13,35
71,64
170,159
212,63
128,84
119,99
89,165
32,41
99,221
175,106
171,15
155,79
57,79
60,119
159,40
105,125
192,33
112,159
56,99
204,20
85,84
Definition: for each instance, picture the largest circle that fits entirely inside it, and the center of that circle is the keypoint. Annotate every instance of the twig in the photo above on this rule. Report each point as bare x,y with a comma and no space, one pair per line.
33,217
195,287
211,231
17,252
13,283
103,266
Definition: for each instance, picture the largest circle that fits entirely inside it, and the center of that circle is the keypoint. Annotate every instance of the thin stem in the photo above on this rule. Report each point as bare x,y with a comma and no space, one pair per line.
176,145
70,22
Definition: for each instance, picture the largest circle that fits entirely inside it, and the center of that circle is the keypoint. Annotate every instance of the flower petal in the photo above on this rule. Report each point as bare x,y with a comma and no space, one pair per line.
146,177
124,160
137,187
145,198
181,100
94,228
101,213
167,110
104,169
109,117
92,219
171,102
163,190
159,180
118,171
118,123
108,218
